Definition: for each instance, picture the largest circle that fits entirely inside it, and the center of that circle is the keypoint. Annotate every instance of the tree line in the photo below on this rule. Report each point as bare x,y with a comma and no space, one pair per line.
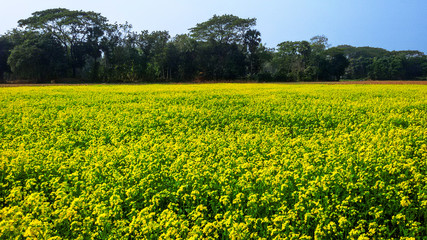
59,44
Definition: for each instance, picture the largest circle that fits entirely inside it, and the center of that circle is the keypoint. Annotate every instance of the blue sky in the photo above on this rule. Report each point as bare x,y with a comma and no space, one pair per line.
390,24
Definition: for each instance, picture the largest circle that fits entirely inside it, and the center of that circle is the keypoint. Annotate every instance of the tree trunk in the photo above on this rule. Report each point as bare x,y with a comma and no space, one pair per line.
74,70
73,61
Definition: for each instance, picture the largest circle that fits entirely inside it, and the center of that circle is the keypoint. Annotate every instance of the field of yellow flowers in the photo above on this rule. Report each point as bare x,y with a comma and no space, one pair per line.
216,161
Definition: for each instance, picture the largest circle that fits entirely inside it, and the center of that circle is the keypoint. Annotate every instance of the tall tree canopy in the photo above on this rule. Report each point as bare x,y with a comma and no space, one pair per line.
62,44
67,26
227,47
38,57
71,28
5,48
223,29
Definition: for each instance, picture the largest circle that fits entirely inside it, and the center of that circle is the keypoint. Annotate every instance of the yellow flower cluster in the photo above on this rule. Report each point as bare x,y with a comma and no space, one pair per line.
219,161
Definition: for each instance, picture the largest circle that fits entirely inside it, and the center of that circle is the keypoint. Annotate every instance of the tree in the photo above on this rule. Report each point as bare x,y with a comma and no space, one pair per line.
293,59
360,59
5,48
358,68
413,63
387,68
227,47
220,61
39,57
415,67
122,60
338,64
251,42
70,28
187,53
223,29
379,69
154,48
332,65
366,52
268,67
319,43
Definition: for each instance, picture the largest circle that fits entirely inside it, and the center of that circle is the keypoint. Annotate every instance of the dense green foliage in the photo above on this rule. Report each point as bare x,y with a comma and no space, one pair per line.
81,45
37,56
217,161
377,63
5,48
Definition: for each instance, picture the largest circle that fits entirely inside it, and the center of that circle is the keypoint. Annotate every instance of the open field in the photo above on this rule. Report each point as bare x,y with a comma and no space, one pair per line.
227,161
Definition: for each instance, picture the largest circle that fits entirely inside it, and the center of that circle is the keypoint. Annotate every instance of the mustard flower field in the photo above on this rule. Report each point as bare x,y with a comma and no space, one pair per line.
213,161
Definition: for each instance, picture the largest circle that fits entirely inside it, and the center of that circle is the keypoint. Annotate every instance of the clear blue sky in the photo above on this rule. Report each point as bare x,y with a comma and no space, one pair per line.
390,24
